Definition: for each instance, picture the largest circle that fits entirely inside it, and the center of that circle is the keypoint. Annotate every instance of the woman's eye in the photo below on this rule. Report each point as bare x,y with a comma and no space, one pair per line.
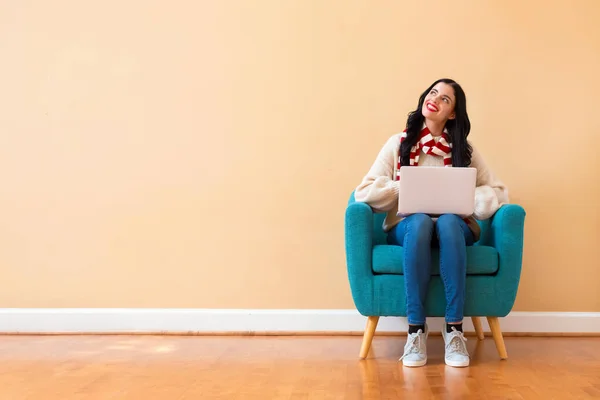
446,100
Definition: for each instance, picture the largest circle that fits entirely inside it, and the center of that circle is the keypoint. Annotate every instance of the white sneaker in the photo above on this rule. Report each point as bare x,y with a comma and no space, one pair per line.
415,350
456,348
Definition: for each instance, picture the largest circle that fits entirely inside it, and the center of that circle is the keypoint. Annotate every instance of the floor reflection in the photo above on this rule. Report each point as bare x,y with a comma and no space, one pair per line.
383,376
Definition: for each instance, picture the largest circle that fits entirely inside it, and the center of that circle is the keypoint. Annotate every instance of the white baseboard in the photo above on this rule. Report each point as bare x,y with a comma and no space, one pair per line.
164,320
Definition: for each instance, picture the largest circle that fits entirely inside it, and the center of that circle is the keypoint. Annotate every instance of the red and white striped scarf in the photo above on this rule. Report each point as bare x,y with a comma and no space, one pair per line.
443,148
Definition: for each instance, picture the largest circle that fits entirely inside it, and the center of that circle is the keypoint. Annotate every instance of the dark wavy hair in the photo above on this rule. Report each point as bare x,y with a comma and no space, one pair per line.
458,128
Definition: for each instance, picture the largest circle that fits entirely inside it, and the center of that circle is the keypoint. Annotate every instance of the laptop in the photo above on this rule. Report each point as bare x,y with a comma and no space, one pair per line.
436,191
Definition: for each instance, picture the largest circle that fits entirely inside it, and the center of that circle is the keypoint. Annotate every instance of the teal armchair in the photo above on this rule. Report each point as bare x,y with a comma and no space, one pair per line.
375,271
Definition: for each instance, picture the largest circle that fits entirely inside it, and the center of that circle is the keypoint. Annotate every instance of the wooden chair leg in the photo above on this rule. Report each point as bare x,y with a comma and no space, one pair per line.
478,327
368,336
498,339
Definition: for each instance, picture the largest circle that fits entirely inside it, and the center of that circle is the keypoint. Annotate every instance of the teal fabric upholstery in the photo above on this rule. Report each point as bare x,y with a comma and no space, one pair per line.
375,268
481,260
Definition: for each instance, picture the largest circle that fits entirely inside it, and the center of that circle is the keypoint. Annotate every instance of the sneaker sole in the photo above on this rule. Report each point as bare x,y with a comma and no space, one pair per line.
457,364
414,364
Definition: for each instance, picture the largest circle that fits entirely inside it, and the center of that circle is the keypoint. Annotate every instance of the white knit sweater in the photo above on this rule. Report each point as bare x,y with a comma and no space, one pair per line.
379,189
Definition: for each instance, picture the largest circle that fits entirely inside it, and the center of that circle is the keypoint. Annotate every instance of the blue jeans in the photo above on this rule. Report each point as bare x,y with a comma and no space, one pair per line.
415,234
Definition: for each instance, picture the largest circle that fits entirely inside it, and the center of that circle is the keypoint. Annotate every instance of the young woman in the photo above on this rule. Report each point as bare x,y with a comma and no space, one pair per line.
435,135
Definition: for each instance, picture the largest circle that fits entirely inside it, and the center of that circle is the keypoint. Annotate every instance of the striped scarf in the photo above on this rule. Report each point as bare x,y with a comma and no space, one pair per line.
442,148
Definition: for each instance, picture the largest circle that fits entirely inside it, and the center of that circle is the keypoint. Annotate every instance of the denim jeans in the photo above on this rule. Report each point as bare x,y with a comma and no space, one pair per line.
415,235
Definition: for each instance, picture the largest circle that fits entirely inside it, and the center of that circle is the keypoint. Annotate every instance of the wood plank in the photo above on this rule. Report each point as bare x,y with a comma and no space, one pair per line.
293,367
296,333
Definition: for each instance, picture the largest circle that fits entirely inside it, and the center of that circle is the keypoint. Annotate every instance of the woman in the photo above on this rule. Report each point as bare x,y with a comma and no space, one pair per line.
435,135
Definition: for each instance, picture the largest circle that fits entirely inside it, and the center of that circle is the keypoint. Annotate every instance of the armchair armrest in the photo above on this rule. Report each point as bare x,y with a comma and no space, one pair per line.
359,253
506,236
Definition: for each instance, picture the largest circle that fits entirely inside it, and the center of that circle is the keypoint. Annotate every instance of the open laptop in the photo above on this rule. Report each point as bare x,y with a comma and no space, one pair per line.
436,191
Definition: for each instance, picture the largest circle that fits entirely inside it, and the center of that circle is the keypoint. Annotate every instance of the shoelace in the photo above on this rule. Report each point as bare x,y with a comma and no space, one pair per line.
457,343
413,344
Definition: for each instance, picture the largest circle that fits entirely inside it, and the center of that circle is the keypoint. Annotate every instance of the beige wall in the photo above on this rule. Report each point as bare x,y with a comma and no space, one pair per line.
150,151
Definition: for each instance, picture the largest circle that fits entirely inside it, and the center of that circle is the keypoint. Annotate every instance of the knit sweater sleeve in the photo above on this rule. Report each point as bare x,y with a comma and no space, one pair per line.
490,193
378,187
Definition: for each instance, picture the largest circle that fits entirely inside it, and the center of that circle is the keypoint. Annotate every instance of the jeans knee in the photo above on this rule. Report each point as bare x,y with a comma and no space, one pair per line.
421,225
448,221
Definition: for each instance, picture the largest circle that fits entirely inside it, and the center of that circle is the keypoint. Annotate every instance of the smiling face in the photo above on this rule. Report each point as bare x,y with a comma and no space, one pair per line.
439,103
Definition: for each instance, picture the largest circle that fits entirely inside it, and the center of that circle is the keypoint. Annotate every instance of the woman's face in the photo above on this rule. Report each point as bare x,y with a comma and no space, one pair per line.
439,103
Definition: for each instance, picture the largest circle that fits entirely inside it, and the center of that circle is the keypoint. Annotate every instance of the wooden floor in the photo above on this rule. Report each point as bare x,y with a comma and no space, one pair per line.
171,367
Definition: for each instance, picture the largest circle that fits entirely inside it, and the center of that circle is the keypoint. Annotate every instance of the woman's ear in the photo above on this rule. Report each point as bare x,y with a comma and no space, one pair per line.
452,116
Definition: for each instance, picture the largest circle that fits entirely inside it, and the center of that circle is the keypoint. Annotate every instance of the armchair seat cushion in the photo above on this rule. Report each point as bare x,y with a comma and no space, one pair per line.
389,259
